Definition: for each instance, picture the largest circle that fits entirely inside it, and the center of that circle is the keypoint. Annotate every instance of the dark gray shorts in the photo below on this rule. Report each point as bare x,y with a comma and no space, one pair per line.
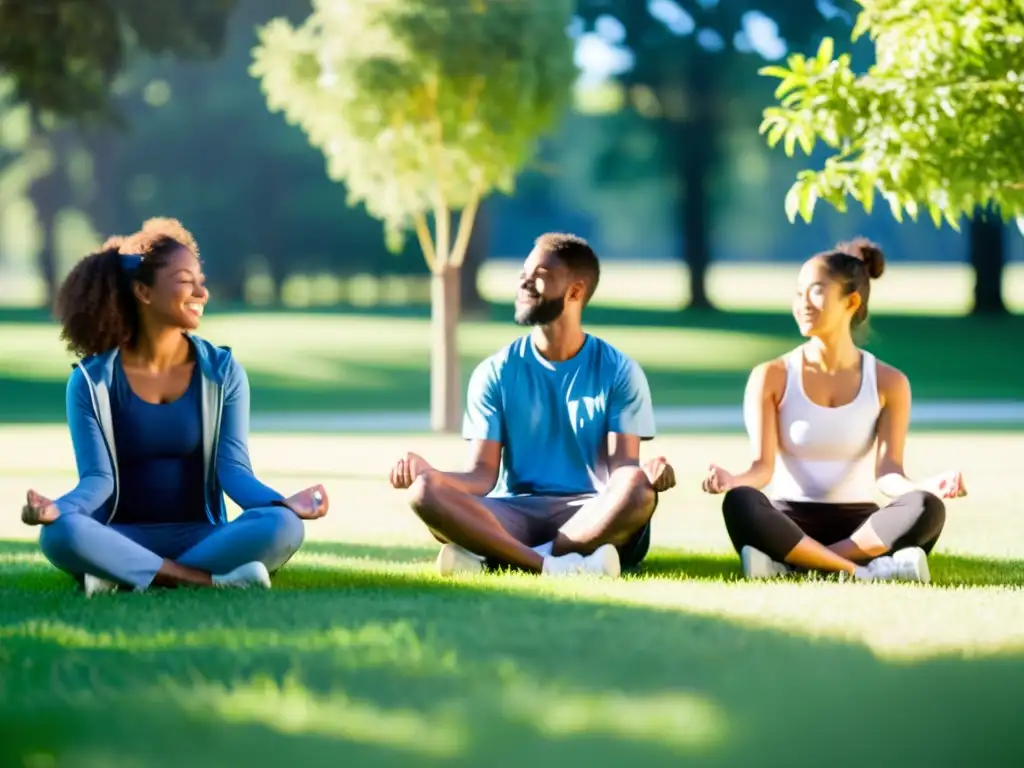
535,520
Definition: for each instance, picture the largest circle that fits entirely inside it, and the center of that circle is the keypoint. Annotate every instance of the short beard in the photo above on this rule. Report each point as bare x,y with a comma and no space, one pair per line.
543,312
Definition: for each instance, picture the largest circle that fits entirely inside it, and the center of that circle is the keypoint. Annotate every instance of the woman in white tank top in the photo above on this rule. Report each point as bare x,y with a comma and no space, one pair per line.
828,425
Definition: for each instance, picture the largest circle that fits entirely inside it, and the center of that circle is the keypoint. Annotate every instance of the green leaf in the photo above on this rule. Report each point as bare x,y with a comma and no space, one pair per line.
789,84
936,213
790,143
774,71
807,201
952,218
794,99
895,206
866,191
825,51
806,138
792,202
767,123
775,134
911,205
862,25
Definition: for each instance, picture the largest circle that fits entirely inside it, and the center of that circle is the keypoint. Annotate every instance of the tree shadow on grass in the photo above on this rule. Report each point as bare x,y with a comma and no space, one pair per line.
349,665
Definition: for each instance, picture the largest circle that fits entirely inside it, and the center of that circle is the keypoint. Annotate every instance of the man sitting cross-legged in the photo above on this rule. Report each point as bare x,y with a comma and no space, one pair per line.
555,421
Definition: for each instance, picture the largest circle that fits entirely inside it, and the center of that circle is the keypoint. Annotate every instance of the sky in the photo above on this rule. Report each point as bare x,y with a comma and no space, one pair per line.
601,54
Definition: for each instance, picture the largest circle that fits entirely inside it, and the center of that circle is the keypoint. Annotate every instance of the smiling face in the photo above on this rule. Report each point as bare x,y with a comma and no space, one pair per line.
547,287
820,307
178,295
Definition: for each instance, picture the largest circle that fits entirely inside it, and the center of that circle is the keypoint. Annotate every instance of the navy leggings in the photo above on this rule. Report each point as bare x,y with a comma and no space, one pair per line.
752,519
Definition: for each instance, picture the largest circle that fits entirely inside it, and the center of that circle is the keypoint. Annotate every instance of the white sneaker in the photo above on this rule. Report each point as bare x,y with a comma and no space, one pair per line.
603,561
455,559
757,565
880,569
94,585
254,574
912,565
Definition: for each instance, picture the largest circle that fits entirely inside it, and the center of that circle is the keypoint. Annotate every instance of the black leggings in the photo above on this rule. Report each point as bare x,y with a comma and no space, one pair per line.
913,520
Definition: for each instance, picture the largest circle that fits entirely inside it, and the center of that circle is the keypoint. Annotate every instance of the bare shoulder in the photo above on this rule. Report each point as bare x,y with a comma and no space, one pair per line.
769,377
892,382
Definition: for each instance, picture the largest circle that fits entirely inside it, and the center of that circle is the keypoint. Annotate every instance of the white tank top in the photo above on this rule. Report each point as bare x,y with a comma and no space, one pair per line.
826,454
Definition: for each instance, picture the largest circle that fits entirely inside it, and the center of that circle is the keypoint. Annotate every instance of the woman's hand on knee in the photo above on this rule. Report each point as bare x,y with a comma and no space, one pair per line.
717,480
38,510
309,504
948,485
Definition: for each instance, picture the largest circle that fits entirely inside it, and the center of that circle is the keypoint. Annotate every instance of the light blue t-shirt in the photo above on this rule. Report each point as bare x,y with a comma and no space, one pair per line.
553,418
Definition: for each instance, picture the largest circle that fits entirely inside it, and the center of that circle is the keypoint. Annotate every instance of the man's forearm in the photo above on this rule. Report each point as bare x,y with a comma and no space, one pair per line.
474,483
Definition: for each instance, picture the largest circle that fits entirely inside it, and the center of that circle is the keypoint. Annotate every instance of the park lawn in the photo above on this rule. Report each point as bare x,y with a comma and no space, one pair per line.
319,362
360,655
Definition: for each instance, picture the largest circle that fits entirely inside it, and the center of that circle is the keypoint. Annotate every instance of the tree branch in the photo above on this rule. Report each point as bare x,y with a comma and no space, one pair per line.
466,220
877,84
426,243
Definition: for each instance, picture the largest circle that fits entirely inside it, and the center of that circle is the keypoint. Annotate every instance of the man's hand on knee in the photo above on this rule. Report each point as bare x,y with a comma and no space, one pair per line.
659,474
407,469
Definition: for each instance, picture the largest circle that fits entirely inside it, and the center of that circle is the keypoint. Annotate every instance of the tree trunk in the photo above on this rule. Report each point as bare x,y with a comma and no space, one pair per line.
696,151
445,380
49,194
988,257
476,254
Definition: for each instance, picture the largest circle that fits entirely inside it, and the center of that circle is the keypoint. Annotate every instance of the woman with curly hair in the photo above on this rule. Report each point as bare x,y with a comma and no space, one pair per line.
159,420
828,425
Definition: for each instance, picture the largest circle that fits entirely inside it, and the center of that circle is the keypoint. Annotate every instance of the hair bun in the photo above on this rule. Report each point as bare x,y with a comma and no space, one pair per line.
868,252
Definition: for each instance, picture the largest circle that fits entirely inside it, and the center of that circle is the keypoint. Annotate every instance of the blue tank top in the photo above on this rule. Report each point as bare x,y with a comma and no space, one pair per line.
159,455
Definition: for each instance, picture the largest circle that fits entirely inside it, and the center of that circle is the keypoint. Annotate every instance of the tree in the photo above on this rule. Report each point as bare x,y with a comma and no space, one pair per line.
937,123
63,60
423,107
65,56
683,74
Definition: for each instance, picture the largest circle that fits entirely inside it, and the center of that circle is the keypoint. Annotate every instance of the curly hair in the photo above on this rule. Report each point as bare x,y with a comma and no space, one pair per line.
95,304
576,254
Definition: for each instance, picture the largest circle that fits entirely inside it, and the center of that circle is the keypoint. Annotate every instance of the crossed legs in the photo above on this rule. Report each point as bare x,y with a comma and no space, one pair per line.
80,545
835,537
502,531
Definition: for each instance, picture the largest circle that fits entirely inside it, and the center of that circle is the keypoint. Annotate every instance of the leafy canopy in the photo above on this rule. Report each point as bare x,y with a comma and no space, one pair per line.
937,122
64,57
420,106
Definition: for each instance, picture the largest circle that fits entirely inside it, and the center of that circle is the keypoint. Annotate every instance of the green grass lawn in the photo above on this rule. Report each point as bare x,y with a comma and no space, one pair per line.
361,656
343,362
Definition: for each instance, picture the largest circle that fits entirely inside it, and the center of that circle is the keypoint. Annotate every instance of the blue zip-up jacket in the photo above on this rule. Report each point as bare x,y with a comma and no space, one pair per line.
225,417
